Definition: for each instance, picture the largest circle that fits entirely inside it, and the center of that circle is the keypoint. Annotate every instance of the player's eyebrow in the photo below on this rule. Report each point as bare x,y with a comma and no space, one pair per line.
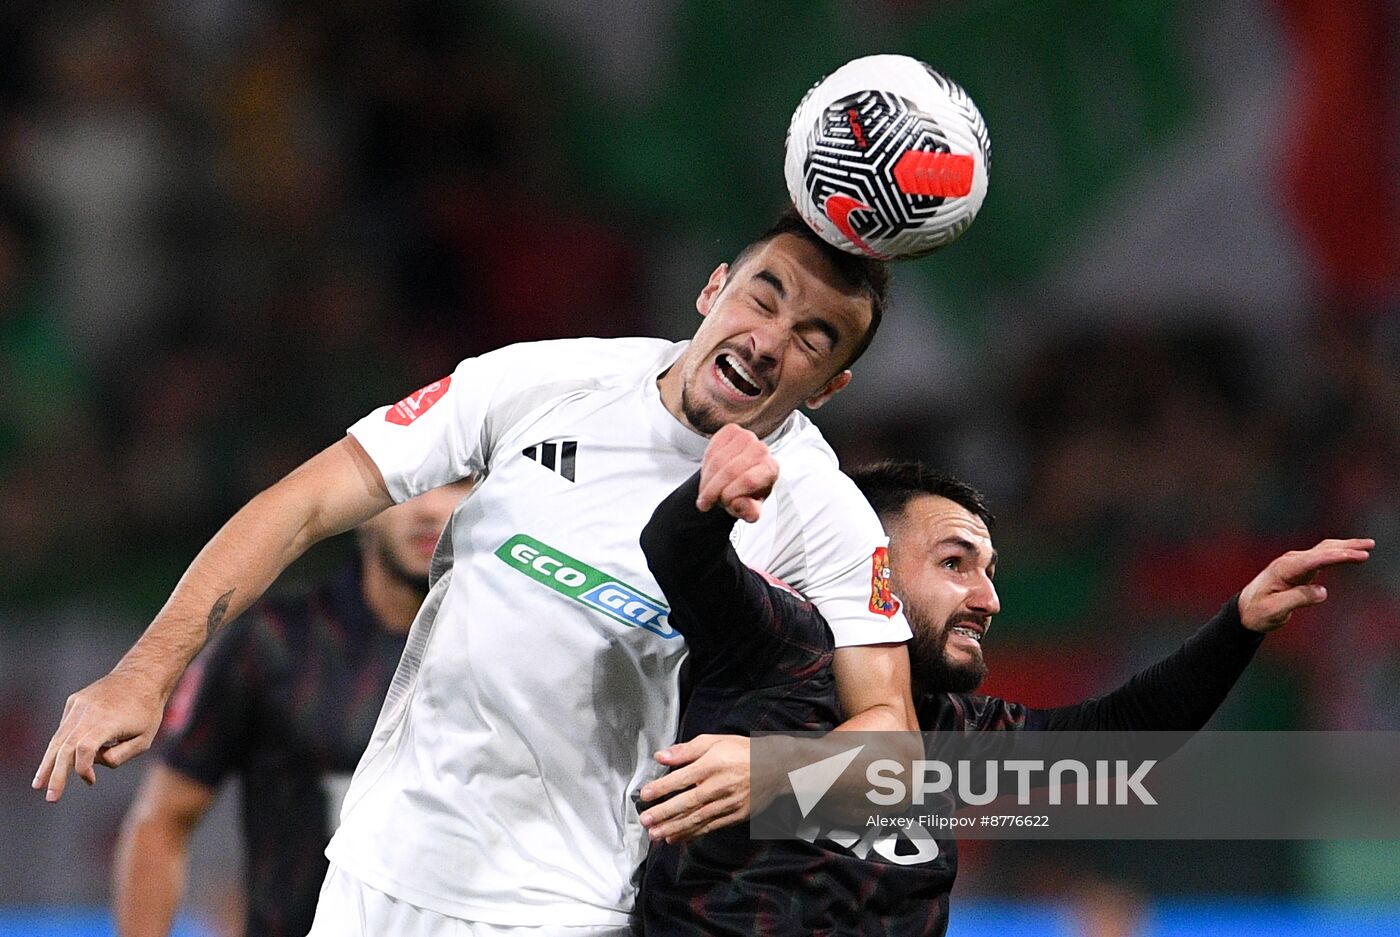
832,333
771,278
966,545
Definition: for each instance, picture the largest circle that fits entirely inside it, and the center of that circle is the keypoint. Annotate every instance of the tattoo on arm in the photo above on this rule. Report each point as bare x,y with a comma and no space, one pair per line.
216,614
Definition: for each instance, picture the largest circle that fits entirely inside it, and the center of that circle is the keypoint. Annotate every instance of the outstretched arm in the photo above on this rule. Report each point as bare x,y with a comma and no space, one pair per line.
1182,691
115,718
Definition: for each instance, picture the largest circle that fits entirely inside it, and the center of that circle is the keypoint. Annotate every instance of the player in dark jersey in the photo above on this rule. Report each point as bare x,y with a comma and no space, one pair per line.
285,698
755,647
759,658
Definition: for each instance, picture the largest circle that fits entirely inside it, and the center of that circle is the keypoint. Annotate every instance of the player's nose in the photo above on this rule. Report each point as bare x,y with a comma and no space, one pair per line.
984,598
767,338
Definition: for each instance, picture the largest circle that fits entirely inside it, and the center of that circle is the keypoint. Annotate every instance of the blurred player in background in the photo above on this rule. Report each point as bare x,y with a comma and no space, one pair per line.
284,699
541,675
759,658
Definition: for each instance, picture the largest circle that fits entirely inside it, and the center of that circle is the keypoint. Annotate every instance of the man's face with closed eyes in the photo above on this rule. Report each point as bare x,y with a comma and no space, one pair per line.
779,329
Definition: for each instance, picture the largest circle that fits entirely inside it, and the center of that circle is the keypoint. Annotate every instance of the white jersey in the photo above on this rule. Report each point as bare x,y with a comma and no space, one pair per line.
541,672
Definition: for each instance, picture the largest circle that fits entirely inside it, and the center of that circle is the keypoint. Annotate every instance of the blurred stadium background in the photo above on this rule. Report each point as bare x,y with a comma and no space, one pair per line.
1168,349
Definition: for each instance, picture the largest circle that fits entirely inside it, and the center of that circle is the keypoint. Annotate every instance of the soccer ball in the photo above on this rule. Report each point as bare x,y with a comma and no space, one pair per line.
887,158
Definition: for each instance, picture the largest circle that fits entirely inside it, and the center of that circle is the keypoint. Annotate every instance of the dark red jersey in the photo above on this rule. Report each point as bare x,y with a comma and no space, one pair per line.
760,660
285,699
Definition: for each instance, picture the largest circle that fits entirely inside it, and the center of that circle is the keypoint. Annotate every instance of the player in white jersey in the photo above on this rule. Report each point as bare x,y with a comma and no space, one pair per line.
540,675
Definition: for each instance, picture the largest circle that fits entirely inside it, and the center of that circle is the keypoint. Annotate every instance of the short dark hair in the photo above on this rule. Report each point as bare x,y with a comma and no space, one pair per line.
864,274
889,487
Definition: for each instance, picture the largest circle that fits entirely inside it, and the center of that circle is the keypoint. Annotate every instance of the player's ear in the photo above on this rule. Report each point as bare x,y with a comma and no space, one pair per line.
832,388
706,299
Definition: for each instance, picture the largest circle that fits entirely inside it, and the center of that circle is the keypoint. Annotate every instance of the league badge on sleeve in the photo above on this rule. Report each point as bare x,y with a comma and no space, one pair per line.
417,403
882,600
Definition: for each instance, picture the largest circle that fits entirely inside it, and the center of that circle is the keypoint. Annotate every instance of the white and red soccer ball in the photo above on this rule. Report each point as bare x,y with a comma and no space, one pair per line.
887,158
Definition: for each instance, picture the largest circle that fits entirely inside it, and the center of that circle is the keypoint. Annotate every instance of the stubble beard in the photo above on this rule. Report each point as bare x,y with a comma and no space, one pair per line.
701,417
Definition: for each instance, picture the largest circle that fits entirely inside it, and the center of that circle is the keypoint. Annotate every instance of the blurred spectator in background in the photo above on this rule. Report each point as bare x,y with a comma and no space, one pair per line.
285,699
98,163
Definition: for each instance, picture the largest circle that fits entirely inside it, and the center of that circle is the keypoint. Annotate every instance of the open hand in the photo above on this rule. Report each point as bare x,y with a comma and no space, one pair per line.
710,782
1287,584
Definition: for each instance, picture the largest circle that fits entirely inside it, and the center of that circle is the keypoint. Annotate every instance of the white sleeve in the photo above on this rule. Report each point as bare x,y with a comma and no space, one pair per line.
844,566
446,431
858,605
437,434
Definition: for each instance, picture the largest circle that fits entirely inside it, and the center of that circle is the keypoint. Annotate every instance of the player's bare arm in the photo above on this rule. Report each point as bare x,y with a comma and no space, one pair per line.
152,854
1288,583
872,681
116,717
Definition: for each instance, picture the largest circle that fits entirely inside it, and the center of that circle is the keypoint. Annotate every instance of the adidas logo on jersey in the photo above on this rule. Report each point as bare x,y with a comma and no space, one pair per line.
555,456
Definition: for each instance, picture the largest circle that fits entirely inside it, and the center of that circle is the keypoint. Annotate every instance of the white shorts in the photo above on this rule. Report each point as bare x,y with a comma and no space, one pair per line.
350,908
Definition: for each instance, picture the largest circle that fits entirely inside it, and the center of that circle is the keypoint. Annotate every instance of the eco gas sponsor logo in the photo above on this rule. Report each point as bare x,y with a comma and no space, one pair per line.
577,580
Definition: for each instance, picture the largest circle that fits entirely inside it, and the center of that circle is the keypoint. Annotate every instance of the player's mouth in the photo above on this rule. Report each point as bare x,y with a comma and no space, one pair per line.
972,632
425,544
735,377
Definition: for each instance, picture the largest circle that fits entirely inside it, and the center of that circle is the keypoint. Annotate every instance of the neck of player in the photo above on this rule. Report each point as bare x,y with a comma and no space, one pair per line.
670,385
